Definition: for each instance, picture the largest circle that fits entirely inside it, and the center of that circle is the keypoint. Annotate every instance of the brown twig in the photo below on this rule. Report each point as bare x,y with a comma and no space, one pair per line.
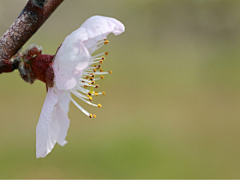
28,22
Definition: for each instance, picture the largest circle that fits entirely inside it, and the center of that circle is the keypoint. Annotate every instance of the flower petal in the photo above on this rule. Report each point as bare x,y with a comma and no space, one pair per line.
64,123
69,63
53,123
73,55
97,28
47,128
63,99
62,109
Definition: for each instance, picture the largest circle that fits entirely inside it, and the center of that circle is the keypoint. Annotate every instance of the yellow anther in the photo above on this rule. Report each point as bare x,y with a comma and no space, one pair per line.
97,86
102,77
110,72
103,58
89,93
99,66
92,75
94,70
103,93
96,93
99,105
90,115
94,115
95,66
101,61
89,83
101,70
106,53
87,77
85,86
93,82
91,78
90,98
106,41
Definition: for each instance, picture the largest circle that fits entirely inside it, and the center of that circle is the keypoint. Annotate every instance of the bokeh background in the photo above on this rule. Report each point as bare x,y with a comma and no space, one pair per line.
172,108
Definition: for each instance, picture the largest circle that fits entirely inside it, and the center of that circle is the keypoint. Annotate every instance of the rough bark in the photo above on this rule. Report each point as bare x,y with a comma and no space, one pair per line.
34,14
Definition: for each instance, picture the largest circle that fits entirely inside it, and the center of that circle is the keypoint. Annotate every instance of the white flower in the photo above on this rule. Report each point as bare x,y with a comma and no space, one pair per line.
75,71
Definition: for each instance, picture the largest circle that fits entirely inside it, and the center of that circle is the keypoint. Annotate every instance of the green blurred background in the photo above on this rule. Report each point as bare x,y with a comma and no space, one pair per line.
172,108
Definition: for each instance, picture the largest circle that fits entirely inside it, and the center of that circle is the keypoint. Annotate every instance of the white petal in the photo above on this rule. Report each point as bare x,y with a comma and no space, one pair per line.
92,30
69,63
64,123
101,25
62,109
63,99
73,56
97,28
47,128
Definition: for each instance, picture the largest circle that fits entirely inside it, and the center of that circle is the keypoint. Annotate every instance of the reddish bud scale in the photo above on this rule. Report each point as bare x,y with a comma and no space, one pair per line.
34,51
41,67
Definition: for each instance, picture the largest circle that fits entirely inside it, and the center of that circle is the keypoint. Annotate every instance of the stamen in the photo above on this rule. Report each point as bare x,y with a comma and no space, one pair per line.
106,41
83,81
103,93
89,85
98,55
88,79
101,72
76,104
78,94
86,101
94,59
79,88
85,91
96,46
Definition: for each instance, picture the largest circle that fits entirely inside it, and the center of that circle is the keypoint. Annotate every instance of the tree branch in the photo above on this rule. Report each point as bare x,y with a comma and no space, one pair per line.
35,13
